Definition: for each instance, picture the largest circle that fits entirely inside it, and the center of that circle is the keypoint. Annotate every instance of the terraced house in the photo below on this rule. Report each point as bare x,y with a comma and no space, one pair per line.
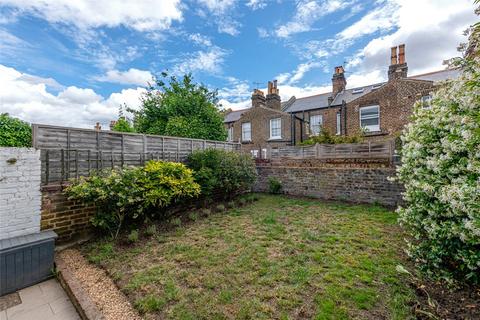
378,111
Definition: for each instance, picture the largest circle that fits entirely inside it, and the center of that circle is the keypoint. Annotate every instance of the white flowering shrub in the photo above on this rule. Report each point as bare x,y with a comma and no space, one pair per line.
441,174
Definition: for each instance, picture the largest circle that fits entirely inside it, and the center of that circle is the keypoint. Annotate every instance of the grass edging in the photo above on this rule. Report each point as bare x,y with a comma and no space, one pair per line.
85,307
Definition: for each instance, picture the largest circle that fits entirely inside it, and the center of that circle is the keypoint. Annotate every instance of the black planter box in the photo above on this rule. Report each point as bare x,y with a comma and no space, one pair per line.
26,260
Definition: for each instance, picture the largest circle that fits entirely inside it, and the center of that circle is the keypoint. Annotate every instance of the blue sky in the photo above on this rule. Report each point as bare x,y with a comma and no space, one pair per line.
74,62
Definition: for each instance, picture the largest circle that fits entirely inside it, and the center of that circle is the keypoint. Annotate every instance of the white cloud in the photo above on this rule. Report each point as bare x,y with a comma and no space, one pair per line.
73,106
200,39
298,73
207,61
431,31
262,32
307,13
141,15
256,4
131,76
220,12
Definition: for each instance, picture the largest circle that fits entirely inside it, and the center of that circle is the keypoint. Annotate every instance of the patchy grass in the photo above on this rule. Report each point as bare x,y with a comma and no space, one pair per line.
279,258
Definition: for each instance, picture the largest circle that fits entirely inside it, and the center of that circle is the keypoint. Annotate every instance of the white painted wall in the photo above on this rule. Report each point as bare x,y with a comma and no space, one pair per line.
20,196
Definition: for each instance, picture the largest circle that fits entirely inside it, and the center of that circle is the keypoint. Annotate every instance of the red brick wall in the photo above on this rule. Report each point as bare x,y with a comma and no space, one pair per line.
69,219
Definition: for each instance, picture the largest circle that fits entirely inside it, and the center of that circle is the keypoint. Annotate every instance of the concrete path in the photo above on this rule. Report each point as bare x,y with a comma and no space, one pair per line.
44,301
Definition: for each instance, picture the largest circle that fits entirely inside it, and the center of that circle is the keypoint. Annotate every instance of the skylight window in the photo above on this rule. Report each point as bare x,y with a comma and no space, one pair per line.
358,90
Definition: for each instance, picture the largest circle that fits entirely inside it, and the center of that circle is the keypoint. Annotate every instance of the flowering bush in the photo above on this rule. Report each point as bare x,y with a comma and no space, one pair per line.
441,174
130,193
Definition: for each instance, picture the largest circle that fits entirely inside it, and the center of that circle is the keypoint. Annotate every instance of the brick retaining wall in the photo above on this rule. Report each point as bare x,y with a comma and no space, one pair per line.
353,183
69,219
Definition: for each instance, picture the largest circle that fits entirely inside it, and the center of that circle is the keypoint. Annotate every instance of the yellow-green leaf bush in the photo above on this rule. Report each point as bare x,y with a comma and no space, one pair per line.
132,193
441,174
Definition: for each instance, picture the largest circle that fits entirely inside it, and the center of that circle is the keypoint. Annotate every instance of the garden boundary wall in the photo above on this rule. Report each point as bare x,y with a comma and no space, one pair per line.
20,196
355,181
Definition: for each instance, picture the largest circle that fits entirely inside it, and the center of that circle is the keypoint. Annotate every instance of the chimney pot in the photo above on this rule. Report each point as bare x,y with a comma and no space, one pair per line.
393,56
401,53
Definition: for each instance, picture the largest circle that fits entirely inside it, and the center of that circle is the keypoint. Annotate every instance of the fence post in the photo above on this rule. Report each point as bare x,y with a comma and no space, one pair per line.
163,148
62,160
369,149
88,160
47,166
204,144
178,149
317,150
76,164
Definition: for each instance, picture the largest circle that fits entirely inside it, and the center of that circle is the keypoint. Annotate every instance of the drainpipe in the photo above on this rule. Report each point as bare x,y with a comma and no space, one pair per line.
344,109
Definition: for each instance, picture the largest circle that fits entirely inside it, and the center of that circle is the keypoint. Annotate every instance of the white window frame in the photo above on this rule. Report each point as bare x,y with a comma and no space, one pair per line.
312,125
254,153
244,132
279,128
371,128
230,134
339,124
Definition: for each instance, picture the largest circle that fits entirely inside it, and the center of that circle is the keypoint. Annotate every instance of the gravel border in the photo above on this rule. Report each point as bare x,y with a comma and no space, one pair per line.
91,289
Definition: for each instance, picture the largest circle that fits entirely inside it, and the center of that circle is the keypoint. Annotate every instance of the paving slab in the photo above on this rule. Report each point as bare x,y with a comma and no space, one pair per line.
44,301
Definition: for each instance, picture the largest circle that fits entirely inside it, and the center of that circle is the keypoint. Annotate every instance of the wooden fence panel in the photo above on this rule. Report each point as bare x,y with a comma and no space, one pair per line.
71,152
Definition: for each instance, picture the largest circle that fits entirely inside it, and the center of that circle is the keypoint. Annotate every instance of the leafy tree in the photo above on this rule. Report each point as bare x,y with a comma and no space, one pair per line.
14,132
180,108
441,174
122,125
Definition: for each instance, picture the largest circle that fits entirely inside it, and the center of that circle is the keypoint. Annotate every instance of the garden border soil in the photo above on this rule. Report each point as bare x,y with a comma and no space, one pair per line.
91,290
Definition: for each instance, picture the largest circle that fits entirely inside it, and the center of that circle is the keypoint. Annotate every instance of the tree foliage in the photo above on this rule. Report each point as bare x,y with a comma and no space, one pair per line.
441,174
14,132
123,125
180,108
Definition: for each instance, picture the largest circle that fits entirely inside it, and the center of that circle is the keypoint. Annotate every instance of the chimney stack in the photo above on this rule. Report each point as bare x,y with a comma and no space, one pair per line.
98,127
273,97
258,99
398,68
338,81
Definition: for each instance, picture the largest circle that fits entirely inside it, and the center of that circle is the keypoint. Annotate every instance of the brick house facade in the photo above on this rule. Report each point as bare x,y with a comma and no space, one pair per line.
378,111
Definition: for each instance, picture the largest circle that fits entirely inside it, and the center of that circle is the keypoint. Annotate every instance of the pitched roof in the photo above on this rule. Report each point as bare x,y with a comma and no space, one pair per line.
321,100
440,75
234,115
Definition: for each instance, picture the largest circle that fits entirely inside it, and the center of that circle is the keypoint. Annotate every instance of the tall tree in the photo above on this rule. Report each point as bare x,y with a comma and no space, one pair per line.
180,108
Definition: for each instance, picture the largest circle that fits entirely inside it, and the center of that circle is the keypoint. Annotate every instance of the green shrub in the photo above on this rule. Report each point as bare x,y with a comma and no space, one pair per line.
221,172
14,132
151,230
274,185
133,236
132,193
325,137
231,204
242,201
220,208
193,216
441,172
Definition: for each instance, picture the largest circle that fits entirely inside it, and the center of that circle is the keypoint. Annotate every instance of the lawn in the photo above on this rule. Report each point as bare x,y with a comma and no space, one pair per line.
276,258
